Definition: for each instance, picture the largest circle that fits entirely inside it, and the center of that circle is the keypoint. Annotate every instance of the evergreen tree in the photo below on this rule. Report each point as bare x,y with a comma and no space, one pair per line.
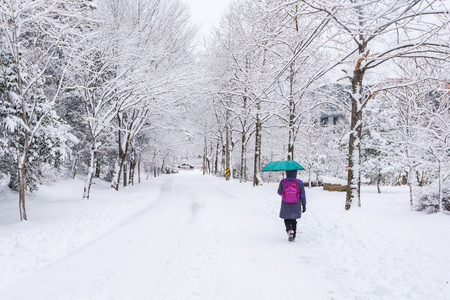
30,128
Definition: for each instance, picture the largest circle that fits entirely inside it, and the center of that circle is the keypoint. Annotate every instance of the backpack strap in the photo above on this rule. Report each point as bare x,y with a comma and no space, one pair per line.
295,183
284,186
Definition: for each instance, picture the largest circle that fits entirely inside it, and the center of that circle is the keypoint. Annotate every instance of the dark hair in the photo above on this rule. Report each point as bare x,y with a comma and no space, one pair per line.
291,173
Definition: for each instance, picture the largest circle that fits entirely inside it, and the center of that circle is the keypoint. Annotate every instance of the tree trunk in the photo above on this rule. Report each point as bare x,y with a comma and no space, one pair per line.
139,169
222,162
411,202
74,166
243,169
227,148
411,168
257,163
132,170
90,174
378,183
160,170
125,174
291,141
205,153
310,177
208,165
118,170
22,209
216,160
440,187
354,144
121,157
243,173
351,159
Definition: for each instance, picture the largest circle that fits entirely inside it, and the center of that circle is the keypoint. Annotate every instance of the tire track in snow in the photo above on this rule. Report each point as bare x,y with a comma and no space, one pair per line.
190,263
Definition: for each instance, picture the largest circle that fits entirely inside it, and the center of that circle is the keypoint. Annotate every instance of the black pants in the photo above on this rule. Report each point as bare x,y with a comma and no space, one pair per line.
291,224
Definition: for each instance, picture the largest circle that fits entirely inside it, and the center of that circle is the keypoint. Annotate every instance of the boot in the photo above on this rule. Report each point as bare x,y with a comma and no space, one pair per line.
291,237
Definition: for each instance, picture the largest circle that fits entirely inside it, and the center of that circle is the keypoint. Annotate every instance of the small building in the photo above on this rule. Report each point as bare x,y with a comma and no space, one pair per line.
334,94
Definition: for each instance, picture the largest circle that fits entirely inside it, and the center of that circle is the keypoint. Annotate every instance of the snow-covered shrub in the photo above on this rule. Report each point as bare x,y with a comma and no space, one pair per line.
50,174
427,199
4,179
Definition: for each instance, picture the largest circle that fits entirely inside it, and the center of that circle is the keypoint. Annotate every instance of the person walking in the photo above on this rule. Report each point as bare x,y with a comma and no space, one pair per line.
293,202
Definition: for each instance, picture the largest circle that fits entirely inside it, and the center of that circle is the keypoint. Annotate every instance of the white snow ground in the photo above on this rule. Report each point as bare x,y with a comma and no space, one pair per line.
188,236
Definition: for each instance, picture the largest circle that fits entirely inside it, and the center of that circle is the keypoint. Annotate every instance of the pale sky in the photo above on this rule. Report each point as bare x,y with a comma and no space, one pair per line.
206,13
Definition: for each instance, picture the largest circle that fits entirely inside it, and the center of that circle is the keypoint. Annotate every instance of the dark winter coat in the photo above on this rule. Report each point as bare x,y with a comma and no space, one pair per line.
292,210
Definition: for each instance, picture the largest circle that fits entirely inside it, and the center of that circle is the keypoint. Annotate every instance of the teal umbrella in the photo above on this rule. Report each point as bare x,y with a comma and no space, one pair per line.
282,165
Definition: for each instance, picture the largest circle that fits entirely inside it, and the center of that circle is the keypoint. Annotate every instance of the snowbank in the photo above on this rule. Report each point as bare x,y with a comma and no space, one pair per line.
60,222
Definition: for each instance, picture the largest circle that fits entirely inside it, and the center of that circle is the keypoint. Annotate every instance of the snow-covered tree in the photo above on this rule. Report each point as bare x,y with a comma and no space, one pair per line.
405,131
245,39
372,33
377,141
33,34
131,65
161,69
299,54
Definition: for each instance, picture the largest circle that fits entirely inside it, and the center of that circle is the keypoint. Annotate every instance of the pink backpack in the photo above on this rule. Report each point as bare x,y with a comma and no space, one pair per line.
290,193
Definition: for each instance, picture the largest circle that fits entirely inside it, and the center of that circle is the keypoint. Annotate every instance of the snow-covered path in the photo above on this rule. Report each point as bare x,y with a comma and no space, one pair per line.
195,241
188,236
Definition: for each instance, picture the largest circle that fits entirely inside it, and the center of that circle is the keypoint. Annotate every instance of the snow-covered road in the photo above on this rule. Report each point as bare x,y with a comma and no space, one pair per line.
198,237
194,241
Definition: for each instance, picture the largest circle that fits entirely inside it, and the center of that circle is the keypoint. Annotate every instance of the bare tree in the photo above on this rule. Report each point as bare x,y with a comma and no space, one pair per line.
374,33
